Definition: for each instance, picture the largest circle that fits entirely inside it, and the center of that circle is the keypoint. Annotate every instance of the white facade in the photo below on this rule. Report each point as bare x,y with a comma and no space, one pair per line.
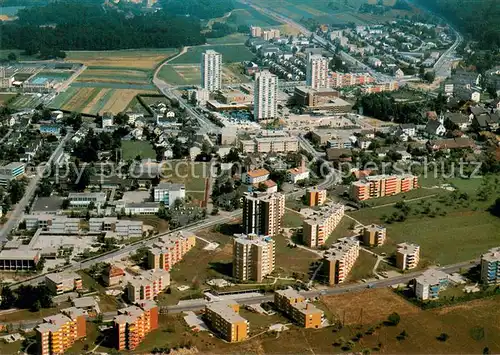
211,65
265,95
317,71
168,193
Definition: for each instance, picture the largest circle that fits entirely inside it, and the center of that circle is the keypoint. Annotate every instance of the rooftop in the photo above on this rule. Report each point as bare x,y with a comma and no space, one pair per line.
223,309
59,277
258,173
408,248
47,204
18,254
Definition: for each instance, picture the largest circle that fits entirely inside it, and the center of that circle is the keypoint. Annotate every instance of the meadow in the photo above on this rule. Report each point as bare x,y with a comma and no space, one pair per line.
131,149
230,53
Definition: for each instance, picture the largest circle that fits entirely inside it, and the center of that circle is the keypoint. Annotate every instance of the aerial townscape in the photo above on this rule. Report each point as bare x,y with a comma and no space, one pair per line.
249,176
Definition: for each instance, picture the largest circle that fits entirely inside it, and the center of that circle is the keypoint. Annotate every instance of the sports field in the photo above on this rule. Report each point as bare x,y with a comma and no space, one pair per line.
6,97
94,100
25,101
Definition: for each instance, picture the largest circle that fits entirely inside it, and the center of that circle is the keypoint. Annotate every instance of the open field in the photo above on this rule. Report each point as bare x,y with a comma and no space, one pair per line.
230,39
146,59
412,194
131,149
245,15
456,230
471,327
292,219
104,75
363,267
190,74
94,100
191,174
230,54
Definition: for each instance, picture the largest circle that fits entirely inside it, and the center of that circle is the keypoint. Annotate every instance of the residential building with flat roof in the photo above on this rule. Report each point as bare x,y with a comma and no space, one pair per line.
374,235
211,70
263,213
170,249
147,285
168,193
382,185
19,259
407,256
133,323
318,226
224,318
315,196
58,333
317,71
339,260
430,283
490,266
294,305
279,144
265,96
61,282
254,257
83,199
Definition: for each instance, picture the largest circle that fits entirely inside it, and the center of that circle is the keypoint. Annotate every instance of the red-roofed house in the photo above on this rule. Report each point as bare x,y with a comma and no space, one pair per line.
297,174
256,176
113,275
270,186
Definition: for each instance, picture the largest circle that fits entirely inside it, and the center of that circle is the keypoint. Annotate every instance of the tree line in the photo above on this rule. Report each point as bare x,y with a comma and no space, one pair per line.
87,26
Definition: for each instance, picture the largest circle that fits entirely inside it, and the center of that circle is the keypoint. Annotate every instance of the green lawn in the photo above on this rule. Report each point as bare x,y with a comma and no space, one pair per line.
292,219
181,75
131,149
6,96
230,54
230,39
191,174
363,267
412,194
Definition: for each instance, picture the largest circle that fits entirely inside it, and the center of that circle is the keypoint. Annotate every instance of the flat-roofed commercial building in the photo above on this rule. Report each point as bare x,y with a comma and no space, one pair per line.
374,235
133,323
53,224
19,259
147,285
340,259
224,318
168,193
295,307
315,196
263,213
382,185
254,257
407,256
61,282
83,199
58,333
318,226
490,266
169,250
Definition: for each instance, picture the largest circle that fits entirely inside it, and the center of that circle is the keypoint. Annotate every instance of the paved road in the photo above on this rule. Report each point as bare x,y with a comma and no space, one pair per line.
18,212
403,279
120,253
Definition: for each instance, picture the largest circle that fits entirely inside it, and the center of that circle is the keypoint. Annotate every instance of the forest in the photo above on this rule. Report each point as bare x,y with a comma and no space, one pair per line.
89,25
480,20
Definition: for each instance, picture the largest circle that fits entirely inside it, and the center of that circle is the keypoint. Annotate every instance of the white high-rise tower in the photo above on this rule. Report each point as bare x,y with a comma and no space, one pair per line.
317,71
265,96
211,65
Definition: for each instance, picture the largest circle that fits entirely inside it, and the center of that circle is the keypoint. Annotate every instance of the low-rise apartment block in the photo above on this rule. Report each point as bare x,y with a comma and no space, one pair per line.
83,199
339,260
490,266
147,285
19,259
263,213
223,317
58,333
277,144
254,257
407,256
374,235
61,282
168,193
315,196
294,305
382,185
170,249
430,283
320,224
133,323
53,224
